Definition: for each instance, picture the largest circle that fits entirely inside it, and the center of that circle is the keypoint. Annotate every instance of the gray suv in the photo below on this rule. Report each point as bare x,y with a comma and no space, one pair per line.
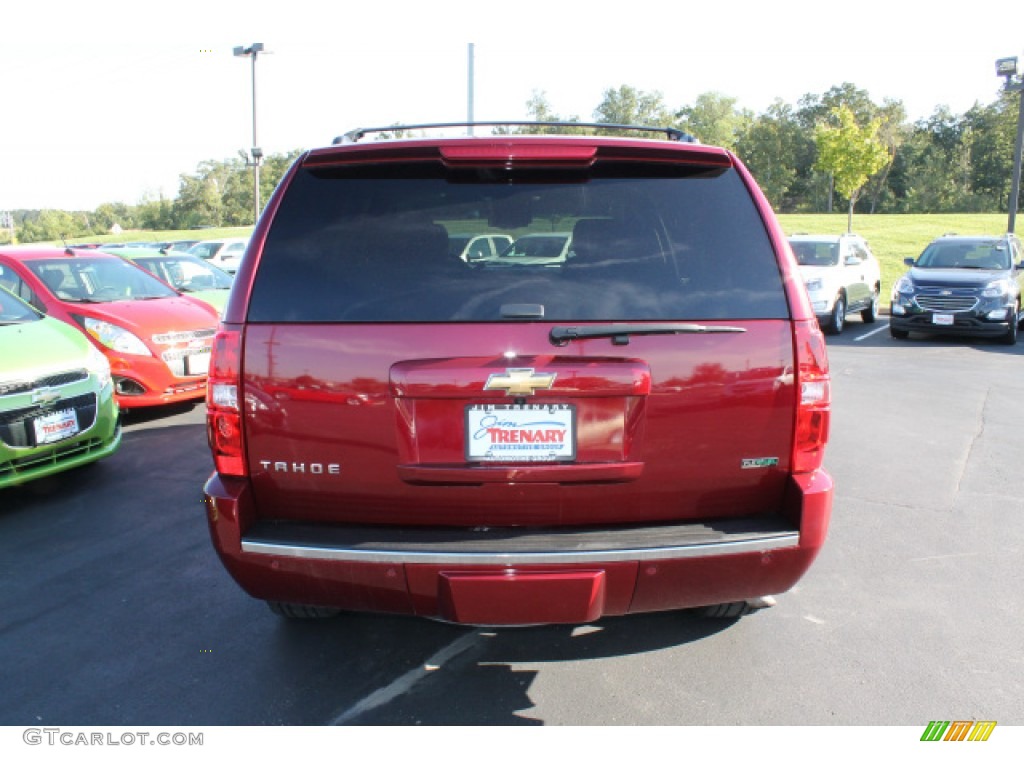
963,285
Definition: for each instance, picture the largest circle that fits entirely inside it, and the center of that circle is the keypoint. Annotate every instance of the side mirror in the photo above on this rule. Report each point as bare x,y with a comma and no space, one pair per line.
909,262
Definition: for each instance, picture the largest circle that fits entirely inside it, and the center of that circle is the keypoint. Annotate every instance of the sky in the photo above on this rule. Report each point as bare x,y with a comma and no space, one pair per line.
111,101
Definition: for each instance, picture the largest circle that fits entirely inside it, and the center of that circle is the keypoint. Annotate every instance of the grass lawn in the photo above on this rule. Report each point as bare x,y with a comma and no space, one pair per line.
155,236
894,237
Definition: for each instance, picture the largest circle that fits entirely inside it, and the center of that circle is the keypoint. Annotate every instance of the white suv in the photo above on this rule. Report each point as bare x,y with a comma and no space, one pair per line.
225,252
841,275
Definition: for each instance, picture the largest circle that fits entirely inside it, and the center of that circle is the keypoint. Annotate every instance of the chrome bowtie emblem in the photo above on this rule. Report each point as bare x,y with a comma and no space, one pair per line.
520,381
45,396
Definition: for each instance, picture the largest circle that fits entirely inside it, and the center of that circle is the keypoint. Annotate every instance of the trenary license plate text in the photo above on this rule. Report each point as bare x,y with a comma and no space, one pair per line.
55,426
514,433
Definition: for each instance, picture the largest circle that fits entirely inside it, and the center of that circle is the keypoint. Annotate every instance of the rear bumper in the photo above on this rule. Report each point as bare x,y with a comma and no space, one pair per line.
519,576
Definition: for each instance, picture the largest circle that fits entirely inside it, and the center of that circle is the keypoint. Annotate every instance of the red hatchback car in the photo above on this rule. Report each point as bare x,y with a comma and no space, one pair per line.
636,426
157,341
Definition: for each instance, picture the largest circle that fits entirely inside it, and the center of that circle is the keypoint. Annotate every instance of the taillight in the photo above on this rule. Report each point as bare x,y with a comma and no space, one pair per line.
814,406
223,411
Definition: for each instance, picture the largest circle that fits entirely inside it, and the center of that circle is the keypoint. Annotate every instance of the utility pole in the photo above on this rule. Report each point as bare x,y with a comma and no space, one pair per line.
469,89
1014,83
257,154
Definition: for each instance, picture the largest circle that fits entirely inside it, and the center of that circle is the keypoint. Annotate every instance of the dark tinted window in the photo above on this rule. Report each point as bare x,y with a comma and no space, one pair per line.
645,242
966,254
815,253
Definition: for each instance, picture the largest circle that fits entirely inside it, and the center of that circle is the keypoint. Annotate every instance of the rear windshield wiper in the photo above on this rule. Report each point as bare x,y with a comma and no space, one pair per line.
620,333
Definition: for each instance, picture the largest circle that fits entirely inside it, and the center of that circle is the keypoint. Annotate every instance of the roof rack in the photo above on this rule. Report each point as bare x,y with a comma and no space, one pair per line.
673,134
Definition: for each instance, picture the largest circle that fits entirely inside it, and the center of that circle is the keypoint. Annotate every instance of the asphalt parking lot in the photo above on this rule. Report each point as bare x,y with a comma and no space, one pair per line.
114,609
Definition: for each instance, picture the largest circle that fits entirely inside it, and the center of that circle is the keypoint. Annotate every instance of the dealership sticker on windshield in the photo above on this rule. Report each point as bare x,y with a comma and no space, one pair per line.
942,319
531,432
55,426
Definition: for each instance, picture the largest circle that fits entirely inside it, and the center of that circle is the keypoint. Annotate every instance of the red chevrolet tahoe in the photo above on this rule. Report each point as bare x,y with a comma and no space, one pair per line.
634,421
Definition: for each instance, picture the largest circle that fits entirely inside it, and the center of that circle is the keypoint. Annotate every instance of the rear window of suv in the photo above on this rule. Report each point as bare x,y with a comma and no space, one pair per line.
629,241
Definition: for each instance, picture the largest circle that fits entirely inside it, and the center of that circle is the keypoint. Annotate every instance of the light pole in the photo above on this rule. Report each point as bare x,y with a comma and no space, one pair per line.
257,154
1008,68
470,87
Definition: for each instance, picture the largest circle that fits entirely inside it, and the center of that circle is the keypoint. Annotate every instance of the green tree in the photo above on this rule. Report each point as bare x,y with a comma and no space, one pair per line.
989,134
714,119
199,201
52,226
540,110
772,146
930,173
850,153
629,106
109,214
892,132
814,110
154,214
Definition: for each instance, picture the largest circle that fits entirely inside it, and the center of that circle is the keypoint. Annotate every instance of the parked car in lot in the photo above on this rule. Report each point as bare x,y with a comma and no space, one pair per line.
477,247
176,245
225,253
185,273
963,285
57,408
842,275
157,340
640,427
538,248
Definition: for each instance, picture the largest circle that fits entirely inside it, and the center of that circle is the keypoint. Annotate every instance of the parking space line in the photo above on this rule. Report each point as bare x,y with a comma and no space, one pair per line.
872,333
405,682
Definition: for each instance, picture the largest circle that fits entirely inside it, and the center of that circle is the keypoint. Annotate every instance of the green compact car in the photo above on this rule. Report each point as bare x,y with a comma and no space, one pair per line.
184,272
57,408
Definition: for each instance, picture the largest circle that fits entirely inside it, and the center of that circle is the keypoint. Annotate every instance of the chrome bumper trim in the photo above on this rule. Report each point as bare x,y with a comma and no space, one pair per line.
368,555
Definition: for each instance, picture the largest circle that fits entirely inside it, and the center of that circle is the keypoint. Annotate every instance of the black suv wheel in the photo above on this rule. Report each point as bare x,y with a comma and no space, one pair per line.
302,612
1011,333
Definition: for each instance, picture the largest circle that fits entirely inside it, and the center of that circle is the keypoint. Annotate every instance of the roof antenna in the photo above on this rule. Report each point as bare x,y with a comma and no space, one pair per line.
67,248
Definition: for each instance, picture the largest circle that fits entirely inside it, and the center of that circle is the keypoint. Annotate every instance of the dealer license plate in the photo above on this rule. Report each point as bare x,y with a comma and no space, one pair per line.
942,319
197,364
512,433
55,426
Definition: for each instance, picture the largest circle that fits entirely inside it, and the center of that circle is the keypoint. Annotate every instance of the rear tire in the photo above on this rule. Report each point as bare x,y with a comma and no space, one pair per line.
837,319
725,610
298,612
870,314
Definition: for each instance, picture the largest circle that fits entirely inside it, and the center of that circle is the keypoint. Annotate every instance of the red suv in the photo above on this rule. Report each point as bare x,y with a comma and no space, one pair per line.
637,426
